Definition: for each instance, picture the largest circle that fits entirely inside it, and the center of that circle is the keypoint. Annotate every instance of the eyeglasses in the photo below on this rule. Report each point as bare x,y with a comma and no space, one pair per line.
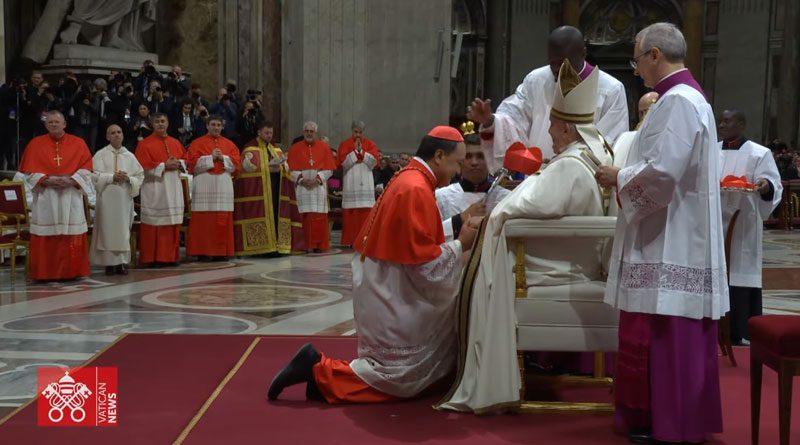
635,60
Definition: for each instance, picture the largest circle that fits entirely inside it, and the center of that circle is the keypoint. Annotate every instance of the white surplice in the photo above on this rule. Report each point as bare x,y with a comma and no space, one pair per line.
114,210
621,149
358,190
162,196
755,162
314,200
59,211
566,187
453,200
212,193
668,256
524,116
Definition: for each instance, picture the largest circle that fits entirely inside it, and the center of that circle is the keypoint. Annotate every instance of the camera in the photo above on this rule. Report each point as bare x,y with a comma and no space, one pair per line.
231,88
225,97
128,90
172,75
119,78
195,95
150,70
158,89
203,113
252,112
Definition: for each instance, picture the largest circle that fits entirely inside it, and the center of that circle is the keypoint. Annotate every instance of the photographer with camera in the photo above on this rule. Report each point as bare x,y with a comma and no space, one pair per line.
186,123
197,97
229,110
141,83
86,113
176,84
120,109
158,100
248,122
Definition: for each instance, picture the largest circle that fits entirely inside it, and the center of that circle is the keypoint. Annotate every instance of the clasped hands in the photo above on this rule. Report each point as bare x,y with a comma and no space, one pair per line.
59,182
309,183
120,177
216,155
172,164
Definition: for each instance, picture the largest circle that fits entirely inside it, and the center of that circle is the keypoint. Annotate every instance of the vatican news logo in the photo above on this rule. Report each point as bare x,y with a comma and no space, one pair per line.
77,397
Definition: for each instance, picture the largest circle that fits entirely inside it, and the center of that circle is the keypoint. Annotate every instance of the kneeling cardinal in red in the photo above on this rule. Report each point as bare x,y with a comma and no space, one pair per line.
404,291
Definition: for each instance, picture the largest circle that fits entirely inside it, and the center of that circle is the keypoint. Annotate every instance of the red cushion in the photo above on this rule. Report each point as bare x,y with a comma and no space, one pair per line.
777,333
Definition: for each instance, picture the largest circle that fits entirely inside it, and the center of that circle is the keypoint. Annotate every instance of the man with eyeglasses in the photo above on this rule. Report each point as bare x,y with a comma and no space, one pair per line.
667,271
524,116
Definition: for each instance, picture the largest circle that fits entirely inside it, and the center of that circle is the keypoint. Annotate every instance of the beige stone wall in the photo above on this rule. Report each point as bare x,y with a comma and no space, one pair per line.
188,36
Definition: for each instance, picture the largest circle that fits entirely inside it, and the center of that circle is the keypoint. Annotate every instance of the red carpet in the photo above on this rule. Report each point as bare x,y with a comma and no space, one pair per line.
160,399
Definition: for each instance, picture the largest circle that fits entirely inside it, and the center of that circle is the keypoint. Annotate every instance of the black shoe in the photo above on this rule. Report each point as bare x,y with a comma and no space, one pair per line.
122,269
640,436
312,391
298,370
109,270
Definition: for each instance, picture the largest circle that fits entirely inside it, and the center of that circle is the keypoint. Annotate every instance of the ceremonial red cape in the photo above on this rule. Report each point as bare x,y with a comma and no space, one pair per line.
154,150
301,154
203,146
349,145
40,153
404,226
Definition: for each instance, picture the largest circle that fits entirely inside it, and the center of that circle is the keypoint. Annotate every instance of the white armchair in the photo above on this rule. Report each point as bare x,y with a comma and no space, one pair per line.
564,317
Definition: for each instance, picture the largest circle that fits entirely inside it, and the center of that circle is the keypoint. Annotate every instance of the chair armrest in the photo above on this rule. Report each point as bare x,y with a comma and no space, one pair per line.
568,226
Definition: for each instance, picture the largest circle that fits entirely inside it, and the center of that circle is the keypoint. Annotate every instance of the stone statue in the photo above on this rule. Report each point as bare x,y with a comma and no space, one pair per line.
109,23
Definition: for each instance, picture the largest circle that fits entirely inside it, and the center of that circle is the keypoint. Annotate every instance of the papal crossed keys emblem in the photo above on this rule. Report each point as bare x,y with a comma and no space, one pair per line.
66,394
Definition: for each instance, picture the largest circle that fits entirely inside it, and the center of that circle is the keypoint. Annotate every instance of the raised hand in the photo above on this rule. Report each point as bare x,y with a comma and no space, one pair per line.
480,111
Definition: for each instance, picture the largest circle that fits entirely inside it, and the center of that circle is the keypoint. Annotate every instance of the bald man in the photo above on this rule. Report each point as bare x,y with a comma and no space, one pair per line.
524,116
645,102
117,177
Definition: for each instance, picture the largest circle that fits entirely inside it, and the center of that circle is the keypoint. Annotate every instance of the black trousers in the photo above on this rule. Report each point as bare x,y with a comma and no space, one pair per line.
746,302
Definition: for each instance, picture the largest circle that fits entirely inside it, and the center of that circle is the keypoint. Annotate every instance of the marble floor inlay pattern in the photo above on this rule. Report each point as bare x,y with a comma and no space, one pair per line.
64,324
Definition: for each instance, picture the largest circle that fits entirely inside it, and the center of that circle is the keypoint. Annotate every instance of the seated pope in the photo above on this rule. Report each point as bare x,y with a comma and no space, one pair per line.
488,376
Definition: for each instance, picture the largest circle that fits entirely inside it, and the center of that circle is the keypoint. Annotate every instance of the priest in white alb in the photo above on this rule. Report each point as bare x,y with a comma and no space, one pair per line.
667,271
404,281
117,178
468,197
566,186
743,158
523,116
357,156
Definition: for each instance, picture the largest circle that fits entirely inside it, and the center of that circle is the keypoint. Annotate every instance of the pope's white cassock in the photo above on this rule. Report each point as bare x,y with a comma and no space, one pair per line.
754,162
523,116
565,187
114,211
452,200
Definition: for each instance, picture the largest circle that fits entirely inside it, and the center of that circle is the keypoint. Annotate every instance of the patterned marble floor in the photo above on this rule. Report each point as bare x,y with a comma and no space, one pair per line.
66,323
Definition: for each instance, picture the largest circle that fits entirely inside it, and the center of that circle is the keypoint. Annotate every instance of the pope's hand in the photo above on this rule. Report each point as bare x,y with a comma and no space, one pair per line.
607,176
480,111
467,235
476,209
762,186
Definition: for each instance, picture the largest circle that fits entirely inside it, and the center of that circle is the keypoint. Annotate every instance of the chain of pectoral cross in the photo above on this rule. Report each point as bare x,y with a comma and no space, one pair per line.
58,157
310,156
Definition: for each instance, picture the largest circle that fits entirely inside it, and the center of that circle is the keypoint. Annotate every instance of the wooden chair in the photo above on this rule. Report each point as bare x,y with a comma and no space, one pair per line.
14,226
564,318
775,342
724,328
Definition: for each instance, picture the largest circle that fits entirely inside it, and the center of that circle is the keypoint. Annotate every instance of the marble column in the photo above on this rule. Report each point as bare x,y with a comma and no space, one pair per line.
497,51
693,16
790,74
530,27
571,12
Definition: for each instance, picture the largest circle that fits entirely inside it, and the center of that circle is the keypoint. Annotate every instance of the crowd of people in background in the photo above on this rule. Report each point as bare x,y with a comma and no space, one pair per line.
125,100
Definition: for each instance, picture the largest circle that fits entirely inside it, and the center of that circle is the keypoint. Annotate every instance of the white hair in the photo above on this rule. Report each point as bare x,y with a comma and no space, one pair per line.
100,84
358,125
311,125
666,37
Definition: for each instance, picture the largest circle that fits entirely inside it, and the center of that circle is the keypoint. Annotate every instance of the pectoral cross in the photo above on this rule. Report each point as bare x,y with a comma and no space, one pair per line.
311,161
58,157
